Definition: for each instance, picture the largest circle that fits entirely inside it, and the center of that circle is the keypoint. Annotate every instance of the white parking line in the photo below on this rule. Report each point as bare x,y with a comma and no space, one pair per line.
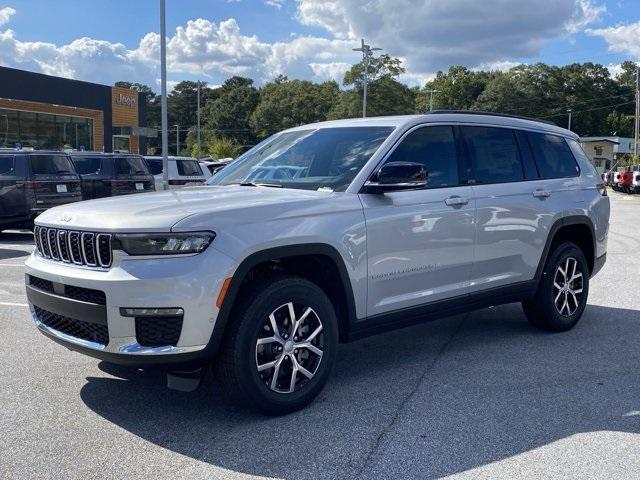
11,304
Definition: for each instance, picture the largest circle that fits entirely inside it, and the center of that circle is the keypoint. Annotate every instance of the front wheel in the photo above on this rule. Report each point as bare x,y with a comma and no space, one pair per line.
281,346
562,292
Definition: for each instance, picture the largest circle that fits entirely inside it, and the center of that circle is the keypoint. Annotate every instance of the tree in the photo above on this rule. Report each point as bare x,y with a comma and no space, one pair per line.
288,103
385,95
228,112
223,147
457,89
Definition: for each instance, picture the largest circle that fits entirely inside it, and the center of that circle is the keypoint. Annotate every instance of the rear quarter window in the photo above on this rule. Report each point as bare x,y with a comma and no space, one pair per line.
188,168
51,165
131,166
155,165
6,165
553,156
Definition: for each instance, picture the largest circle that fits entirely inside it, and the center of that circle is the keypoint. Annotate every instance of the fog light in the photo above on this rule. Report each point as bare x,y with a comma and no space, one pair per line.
151,312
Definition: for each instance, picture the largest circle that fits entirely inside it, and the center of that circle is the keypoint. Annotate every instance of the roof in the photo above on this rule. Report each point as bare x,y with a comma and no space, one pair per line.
481,118
599,139
170,157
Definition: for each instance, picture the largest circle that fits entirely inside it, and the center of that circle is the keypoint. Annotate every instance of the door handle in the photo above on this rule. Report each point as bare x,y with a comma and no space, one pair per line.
541,193
456,201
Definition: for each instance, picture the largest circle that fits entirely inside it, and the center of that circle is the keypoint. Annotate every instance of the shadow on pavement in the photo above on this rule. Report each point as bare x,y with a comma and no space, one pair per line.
423,402
16,237
6,253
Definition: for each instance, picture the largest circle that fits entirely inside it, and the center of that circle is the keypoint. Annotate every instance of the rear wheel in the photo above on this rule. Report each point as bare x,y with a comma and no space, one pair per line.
562,292
281,346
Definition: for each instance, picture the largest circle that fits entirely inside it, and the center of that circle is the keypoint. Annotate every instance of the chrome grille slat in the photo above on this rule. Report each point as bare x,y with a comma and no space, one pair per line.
70,246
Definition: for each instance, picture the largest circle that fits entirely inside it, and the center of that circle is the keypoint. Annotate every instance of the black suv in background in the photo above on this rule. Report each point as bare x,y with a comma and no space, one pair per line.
31,182
111,174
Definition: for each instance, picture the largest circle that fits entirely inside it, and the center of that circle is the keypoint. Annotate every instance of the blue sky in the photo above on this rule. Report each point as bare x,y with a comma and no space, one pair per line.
107,40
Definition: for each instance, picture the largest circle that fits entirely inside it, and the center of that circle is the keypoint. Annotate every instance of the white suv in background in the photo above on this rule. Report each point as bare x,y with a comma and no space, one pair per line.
183,172
386,222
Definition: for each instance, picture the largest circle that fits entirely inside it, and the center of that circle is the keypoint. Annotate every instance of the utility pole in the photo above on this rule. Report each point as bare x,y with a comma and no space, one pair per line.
163,103
569,111
367,53
177,140
637,119
431,93
198,118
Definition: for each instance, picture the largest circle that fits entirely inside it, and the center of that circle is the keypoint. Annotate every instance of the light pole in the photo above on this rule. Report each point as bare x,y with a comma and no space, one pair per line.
198,128
431,93
163,100
637,119
177,139
367,53
569,111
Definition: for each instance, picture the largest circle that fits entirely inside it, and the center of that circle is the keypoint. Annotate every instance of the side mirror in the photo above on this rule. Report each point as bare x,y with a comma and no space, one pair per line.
394,176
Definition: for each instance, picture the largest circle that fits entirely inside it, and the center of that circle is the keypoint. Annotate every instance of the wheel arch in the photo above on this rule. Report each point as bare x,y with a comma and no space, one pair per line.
301,255
578,229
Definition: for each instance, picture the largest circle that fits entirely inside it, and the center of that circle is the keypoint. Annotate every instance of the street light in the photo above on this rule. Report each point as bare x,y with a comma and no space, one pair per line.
367,53
431,93
177,139
163,100
569,111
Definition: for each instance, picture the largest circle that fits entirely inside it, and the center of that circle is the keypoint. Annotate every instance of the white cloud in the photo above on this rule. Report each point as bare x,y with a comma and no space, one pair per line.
621,38
5,14
428,36
275,3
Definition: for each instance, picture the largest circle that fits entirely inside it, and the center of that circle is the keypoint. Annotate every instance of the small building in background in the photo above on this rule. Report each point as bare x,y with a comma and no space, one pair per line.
604,152
46,112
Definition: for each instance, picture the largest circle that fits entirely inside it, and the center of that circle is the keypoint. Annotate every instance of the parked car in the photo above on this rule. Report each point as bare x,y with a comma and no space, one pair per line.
215,166
109,174
183,172
626,181
392,221
205,170
617,179
635,182
33,181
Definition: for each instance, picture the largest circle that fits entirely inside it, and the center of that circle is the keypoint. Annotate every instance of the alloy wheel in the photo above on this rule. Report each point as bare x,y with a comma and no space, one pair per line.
290,351
567,287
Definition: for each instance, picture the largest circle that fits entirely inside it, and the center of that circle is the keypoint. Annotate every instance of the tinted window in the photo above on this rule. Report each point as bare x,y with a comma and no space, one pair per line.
87,165
310,159
188,168
155,165
50,164
494,154
130,166
433,147
6,165
553,156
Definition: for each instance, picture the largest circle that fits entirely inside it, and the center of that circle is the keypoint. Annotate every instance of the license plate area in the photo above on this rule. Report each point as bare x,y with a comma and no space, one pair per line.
61,188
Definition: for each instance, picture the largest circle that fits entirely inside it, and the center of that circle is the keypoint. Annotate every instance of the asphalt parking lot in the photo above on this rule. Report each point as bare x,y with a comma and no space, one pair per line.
482,395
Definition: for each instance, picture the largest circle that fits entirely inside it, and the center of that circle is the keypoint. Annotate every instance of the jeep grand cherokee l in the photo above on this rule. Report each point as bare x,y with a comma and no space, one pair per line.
360,226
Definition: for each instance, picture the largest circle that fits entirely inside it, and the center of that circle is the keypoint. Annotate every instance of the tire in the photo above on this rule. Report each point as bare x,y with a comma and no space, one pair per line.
543,311
240,355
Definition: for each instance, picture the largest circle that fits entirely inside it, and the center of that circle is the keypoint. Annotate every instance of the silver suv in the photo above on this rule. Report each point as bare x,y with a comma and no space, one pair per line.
323,234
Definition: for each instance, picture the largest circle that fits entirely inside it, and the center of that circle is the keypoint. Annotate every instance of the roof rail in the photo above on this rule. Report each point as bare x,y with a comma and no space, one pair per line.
492,114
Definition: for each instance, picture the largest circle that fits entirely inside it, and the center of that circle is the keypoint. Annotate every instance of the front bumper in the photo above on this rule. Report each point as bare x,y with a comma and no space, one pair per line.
188,282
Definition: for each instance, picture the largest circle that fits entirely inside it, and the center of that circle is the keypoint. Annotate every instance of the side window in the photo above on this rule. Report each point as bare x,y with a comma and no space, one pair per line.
494,154
553,156
578,153
188,168
6,165
435,148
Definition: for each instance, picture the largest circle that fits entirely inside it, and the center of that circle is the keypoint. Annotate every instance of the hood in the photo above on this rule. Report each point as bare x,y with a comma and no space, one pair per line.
159,211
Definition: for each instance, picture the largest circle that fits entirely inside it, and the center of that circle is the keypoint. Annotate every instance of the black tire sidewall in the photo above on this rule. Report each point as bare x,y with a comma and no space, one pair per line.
288,289
556,321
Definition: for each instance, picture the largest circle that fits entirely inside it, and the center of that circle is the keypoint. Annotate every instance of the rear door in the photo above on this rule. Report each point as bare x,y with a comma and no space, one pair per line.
53,180
131,175
512,217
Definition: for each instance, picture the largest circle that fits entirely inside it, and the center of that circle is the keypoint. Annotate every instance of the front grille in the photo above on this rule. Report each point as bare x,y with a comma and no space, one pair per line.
158,331
73,327
77,293
81,248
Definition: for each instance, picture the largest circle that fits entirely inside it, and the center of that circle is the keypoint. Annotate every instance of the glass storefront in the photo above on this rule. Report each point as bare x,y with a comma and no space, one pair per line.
44,130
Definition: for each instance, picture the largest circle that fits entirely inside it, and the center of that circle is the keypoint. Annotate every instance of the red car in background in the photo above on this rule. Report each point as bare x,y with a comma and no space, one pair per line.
626,181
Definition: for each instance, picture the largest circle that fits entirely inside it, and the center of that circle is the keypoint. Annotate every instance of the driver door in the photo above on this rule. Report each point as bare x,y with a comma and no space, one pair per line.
420,243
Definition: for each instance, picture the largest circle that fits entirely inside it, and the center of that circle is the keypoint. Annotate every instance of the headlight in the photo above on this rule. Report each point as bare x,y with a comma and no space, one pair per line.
162,243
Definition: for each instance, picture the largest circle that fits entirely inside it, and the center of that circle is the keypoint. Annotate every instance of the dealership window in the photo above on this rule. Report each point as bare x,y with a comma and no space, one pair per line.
598,149
44,130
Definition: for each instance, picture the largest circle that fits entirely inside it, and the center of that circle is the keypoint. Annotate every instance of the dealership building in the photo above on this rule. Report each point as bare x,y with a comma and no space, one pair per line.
46,112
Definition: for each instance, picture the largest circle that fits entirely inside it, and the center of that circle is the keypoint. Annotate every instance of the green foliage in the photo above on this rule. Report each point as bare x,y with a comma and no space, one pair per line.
457,89
288,103
223,147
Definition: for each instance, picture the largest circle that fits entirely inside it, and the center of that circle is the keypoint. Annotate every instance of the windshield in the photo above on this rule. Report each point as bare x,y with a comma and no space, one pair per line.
51,165
327,158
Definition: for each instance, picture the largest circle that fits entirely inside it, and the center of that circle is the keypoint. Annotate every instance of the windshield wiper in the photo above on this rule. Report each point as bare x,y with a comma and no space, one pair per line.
259,184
